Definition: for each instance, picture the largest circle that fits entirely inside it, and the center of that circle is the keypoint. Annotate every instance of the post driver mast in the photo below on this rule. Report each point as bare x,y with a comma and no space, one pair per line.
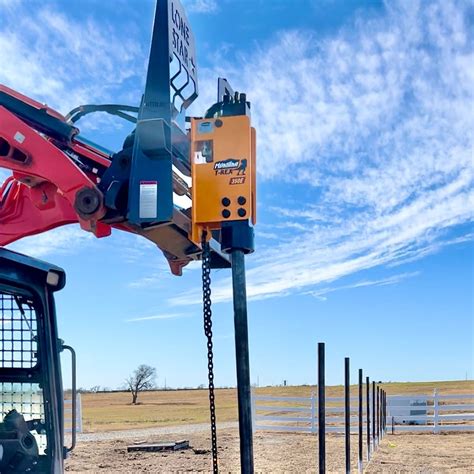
59,178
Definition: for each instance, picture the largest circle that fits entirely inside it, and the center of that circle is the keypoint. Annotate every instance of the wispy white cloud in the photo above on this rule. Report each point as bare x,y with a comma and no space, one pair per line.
375,123
64,62
391,280
201,6
64,240
158,317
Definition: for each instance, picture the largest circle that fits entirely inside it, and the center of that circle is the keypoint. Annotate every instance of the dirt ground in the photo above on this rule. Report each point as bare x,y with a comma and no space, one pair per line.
280,452
425,453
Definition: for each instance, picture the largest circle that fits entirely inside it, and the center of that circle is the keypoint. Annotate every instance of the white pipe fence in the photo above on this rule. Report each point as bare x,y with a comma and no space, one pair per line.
68,415
407,413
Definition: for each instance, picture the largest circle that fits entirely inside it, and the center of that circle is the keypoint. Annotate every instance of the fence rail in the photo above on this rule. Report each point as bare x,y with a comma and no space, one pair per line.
68,415
404,413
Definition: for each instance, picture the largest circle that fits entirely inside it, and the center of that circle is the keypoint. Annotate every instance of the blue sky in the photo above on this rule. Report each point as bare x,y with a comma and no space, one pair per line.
364,118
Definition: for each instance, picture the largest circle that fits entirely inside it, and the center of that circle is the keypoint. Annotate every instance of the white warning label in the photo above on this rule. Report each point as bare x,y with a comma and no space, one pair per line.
148,199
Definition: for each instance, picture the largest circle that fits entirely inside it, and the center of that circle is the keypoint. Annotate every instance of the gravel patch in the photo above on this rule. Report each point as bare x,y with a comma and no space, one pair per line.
147,432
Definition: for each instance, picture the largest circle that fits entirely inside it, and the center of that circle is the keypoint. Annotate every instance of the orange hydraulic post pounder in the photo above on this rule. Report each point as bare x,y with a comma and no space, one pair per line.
223,168
223,165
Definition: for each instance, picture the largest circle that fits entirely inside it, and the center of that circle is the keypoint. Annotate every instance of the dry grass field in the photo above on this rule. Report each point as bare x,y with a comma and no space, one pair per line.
106,449
113,411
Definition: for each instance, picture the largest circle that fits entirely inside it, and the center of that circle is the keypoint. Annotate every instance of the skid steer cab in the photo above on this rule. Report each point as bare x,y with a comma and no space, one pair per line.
31,392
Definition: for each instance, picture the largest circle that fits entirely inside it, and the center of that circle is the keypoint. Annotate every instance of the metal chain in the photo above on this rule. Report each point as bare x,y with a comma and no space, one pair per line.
207,310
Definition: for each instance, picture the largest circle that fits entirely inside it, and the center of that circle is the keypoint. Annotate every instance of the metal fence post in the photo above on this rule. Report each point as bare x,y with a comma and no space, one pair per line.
361,421
384,412
436,411
242,361
381,413
347,413
373,416
382,433
321,410
378,415
367,403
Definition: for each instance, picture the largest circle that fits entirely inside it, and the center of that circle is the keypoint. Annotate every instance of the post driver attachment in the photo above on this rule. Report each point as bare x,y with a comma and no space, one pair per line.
223,170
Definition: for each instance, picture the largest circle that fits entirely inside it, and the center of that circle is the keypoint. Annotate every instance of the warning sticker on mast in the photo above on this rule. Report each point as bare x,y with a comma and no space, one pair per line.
148,199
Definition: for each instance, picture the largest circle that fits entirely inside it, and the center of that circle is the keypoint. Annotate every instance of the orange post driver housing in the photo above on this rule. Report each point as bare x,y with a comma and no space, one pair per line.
223,166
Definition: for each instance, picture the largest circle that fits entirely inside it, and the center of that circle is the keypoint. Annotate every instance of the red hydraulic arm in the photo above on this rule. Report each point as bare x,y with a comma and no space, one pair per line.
56,180
45,182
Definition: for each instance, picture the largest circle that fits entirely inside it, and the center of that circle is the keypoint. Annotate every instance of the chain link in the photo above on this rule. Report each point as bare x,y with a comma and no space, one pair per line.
207,310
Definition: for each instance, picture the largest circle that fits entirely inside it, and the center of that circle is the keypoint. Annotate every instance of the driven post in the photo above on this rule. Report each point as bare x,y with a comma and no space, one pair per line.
367,403
242,361
361,421
373,416
321,410
378,414
381,413
347,413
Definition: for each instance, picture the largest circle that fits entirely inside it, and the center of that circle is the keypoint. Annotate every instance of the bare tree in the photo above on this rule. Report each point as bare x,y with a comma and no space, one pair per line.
142,379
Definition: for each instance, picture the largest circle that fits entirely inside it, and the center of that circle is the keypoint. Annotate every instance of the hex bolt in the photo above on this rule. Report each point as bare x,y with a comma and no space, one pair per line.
242,212
241,200
225,201
226,213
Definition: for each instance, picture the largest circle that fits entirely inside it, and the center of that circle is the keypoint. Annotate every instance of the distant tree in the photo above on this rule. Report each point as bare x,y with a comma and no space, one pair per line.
142,379
95,388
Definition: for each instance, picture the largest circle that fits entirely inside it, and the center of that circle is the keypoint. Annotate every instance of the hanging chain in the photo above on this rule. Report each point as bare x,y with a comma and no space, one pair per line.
206,298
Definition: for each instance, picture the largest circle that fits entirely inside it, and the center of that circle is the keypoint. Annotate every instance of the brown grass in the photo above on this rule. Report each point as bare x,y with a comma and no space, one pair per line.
113,411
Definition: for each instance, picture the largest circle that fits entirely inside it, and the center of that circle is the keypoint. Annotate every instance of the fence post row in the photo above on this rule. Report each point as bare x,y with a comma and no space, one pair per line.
377,417
321,410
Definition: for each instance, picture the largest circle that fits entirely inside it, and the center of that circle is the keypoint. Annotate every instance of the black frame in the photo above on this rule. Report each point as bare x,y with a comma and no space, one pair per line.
26,276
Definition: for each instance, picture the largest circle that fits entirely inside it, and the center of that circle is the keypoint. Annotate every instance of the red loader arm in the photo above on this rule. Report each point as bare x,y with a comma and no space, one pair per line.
57,178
